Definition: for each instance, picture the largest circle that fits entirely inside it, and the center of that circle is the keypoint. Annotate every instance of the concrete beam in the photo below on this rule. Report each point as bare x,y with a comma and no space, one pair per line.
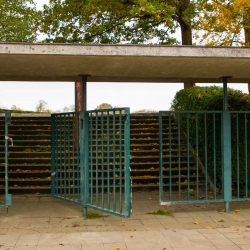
122,63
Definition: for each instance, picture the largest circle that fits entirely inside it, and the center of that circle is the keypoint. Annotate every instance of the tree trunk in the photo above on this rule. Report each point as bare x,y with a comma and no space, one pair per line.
186,33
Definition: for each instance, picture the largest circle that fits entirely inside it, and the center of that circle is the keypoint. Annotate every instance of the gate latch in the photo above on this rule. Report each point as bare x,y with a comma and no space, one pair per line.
54,173
11,140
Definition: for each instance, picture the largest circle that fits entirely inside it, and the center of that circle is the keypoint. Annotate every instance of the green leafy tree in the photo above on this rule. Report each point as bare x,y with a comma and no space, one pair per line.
116,21
18,21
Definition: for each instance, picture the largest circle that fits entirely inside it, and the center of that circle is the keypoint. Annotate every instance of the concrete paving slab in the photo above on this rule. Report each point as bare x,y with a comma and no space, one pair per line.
67,229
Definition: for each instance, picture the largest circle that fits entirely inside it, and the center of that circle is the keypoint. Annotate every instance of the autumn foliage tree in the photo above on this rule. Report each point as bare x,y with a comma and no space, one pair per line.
223,22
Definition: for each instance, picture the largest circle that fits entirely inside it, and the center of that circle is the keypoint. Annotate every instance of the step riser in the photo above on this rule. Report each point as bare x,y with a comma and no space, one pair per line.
31,134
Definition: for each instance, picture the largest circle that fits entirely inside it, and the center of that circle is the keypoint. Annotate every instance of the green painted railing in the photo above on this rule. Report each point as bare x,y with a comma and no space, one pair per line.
108,178
209,158
91,159
65,157
8,199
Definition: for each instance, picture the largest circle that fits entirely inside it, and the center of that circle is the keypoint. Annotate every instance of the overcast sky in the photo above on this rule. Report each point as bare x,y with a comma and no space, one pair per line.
137,96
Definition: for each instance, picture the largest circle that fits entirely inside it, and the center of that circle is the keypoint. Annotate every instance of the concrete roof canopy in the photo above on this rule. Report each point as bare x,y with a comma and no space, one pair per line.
123,63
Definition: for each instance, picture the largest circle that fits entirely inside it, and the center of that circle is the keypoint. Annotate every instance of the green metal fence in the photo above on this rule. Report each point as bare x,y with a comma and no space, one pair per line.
65,157
203,156
91,159
8,200
108,178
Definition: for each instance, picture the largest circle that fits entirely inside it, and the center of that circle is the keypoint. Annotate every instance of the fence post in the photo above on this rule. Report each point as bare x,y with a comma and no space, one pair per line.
84,160
127,162
160,158
226,158
52,155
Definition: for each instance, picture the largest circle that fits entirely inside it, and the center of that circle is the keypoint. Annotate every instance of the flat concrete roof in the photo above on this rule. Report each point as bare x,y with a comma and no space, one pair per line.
123,63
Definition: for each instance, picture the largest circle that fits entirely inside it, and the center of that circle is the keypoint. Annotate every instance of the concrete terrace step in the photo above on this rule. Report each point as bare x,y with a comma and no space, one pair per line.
30,162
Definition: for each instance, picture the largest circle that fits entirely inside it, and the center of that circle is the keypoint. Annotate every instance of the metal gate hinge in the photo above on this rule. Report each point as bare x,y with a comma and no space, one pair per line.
11,140
130,157
52,174
126,118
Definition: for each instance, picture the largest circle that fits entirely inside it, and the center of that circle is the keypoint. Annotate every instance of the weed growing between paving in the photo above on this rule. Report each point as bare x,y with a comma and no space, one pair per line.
93,215
162,212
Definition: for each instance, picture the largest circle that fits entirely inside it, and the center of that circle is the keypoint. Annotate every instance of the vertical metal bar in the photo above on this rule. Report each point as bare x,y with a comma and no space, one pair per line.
96,138
205,122
69,155
8,200
102,160
82,159
160,157
197,155
78,156
52,155
91,155
214,156
114,179
120,157
56,148
108,171
65,157
246,172
73,152
188,173
170,157
61,155
127,161
179,155
226,158
85,161
237,157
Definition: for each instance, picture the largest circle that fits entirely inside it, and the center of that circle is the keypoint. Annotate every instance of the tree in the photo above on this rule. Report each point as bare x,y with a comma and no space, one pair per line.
104,106
41,106
116,21
14,107
65,109
18,21
72,108
223,22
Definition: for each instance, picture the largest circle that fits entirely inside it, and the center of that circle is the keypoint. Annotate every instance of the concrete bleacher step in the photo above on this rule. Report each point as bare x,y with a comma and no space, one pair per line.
30,162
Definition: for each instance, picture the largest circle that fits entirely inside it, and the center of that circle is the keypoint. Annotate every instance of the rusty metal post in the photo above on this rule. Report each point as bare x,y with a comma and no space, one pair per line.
80,101
81,95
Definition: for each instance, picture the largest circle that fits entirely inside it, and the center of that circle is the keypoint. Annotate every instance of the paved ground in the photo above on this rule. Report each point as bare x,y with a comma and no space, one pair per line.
47,223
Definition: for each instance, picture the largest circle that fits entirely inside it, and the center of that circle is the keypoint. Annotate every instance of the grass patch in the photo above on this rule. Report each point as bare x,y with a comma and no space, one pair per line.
93,215
162,212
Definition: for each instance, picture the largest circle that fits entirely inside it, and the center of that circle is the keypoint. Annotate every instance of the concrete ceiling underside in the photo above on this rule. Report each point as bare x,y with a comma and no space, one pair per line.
123,63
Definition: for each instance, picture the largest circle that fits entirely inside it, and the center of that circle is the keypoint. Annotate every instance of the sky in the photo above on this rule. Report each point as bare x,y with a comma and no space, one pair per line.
137,96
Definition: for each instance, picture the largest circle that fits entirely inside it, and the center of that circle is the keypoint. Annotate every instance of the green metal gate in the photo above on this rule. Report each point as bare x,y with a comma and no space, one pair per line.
204,156
8,200
91,159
